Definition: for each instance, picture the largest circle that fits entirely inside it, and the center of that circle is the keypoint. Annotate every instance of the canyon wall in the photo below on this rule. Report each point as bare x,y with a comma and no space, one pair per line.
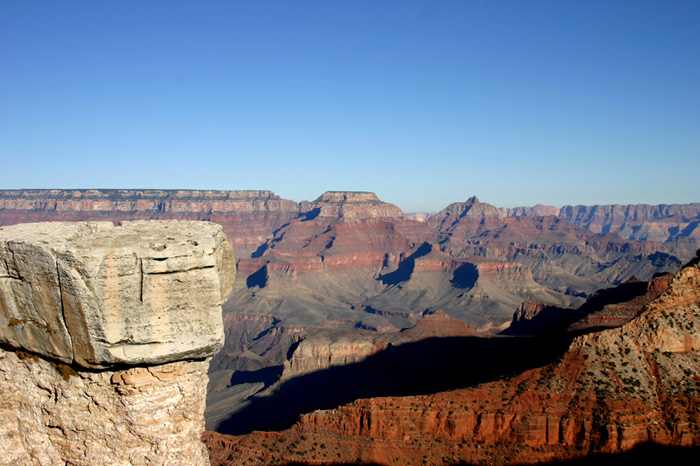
248,217
106,333
611,391
348,259
663,222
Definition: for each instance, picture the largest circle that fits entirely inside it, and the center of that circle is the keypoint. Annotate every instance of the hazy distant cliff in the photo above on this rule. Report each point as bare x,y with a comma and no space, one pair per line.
248,217
662,222
106,334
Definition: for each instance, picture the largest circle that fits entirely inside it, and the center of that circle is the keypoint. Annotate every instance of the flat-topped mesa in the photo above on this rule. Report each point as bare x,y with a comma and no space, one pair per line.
136,200
248,217
538,210
106,333
350,204
115,194
348,197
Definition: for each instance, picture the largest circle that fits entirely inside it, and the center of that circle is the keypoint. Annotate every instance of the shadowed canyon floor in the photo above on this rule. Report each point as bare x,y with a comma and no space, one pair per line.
409,369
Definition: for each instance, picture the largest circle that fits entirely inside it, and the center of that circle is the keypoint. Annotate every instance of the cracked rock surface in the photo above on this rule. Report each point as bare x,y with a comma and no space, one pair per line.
98,295
106,333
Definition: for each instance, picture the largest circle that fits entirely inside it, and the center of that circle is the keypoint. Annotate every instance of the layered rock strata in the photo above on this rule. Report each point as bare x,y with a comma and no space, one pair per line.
320,349
350,204
663,222
248,217
106,335
607,308
611,391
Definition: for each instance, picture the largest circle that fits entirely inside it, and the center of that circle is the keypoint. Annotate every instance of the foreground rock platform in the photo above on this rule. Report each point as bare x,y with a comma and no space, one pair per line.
106,333
99,295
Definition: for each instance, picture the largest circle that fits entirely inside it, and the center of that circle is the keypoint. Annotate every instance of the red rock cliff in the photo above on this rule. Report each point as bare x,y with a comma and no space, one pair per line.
611,391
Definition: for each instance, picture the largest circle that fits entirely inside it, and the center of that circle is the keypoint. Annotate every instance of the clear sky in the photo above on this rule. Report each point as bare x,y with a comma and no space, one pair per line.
422,102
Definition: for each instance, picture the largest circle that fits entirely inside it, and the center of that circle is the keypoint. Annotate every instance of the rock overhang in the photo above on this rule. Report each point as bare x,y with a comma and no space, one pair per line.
99,295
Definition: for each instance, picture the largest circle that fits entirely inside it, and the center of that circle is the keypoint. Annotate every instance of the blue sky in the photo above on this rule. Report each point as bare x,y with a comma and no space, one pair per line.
423,102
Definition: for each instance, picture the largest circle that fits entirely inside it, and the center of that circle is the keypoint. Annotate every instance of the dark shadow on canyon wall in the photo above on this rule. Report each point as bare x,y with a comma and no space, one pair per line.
644,454
266,375
553,319
258,278
465,276
428,366
405,268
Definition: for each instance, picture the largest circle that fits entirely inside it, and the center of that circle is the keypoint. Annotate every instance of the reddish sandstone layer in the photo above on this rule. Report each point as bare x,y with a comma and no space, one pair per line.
350,204
248,217
619,313
611,391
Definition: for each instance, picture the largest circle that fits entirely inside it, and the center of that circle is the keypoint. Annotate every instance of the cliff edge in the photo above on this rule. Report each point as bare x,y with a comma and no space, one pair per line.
105,338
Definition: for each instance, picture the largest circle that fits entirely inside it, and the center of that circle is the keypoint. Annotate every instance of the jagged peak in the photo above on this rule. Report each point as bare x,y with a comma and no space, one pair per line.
472,207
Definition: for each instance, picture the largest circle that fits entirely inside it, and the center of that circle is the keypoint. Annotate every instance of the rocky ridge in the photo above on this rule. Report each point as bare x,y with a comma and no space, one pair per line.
607,308
612,390
348,260
320,349
106,333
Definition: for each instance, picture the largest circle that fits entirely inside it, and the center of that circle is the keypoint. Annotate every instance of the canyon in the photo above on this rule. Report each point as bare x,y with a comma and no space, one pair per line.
106,333
608,392
349,288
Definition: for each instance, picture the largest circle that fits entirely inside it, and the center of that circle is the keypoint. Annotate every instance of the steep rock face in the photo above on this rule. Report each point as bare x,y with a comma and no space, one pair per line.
472,208
607,308
561,255
610,391
99,295
55,415
248,217
537,210
106,338
381,271
659,223
622,310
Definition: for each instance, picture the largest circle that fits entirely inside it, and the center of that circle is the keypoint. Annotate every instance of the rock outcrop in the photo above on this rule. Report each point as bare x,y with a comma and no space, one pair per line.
350,204
106,334
607,308
611,391
321,349
349,260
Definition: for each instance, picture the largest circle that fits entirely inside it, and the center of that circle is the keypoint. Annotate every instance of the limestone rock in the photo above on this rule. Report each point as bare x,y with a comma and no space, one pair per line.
106,334
54,415
99,295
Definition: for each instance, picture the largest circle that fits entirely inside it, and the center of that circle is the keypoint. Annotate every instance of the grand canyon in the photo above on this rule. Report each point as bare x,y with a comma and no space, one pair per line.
356,333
